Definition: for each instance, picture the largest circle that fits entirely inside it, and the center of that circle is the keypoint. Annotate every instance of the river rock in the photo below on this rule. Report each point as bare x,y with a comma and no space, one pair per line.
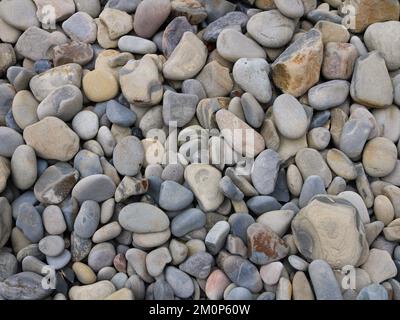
315,239
97,187
24,286
298,68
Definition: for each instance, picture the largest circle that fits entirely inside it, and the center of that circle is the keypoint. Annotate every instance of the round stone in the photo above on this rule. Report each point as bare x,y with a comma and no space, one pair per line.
53,220
293,9
136,45
143,218
128,156
271,29
101,255
187,221
379,157
10,140
84,273
174,197
52,246
181,283
86,124
97,187
24,167
289,116
147,20
87,220
99,85
264,173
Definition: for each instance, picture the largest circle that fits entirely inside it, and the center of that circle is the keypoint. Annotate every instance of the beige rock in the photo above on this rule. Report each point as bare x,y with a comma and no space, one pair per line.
97,291
392,231
329,228
103,38
216,80
121,294
298,68
117,22
203,180
301,287
153,151
100,85
51,138
365,92
289,147
270,135
284,289
379,266
332,32
271,273
310,162
141,82
238,134
341,164
379,157
24,109
187,59
294,180
371,11
84,273
393,193
339,60
383,209
62,9
338,119
5,171
112,61
42,84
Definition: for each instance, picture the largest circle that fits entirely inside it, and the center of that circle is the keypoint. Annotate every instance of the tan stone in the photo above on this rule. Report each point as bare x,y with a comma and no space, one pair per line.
5,171
379,266
121,294
100,85
141,82
52,139
238,134
383,209
117,22
187,59
216,80
97,291
371,11
332,32
301,287
329,228
84,273
392,231
298,68
339,60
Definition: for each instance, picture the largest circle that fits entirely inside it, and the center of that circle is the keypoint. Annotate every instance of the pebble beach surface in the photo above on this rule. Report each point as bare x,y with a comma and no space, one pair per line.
195,149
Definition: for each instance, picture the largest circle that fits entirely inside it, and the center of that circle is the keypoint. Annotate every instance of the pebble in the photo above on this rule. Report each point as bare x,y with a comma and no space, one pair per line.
87,220
310,162
264,244
354,136
187,221
80,27
242,273
97,291
329,94
55,183
228,46
99,85
383,209
52,246
215,238
24,167
51,138
174,197
316,243
20,14
203,180
147,20
379,266
8,265
229,20
293,10
44,83
239,293
30,222
251,74
323,281
24,109
101,255
136,45
373,292
143,218
24,286
277,220
271,29
313,185
178,108
339,60
361,91
265,171
179,281
11,139
215,79
379,157
119,114
59,261
341,164
271,273
289,116
97,187
298,68
156,261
